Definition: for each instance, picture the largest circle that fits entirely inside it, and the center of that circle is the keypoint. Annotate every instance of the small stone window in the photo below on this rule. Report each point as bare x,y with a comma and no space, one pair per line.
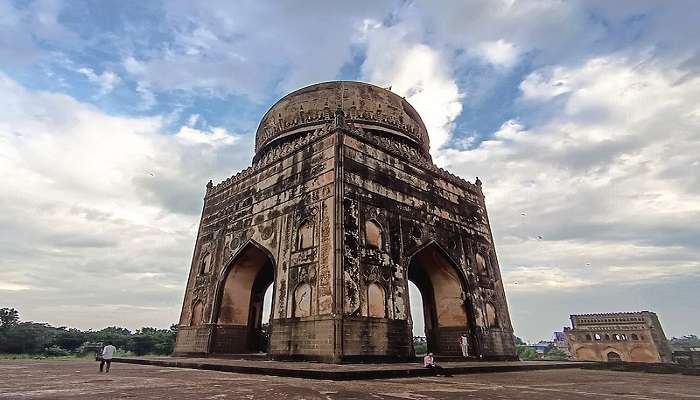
597,336
373,235
305,235
607,337
302,300
376,301
588,337
634,336
205,264
617,337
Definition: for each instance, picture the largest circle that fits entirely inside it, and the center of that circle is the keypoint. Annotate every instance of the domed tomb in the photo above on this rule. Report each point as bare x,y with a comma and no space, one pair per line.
372,108
340,209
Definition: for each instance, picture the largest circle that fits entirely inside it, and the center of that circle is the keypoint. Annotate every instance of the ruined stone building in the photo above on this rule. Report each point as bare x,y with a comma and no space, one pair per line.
341,208
625,336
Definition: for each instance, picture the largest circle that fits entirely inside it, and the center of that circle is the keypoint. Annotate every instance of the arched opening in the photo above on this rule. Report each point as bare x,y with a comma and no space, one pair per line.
302,300
197,314
446,315
241,294
376,301
305,235
373,235
491,317
613,357
205,264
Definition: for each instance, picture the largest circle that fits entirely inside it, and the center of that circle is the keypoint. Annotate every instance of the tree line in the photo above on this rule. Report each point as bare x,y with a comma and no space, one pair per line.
17,337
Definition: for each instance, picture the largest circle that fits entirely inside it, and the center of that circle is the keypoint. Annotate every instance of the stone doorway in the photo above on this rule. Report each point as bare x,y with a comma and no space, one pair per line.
239,303
443,292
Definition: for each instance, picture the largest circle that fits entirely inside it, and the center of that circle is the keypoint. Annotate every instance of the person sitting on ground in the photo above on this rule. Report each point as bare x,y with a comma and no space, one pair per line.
429,362
107,354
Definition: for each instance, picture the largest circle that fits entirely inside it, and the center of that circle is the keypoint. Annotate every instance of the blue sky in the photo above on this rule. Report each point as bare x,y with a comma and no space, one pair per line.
581,118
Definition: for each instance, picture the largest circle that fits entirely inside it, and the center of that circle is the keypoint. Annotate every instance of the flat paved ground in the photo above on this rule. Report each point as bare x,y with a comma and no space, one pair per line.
32,379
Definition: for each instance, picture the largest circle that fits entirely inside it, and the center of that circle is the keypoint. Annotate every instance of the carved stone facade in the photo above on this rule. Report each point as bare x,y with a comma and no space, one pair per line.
632,337
340,209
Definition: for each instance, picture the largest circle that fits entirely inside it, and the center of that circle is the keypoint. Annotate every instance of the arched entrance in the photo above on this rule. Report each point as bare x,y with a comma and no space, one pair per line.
240,295
446,310
613,357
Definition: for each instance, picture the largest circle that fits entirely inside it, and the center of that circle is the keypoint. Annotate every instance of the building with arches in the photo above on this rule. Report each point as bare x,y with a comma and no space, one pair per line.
341,208
623,336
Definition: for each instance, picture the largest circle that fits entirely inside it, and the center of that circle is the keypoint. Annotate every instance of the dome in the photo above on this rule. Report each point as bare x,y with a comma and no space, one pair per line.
372,108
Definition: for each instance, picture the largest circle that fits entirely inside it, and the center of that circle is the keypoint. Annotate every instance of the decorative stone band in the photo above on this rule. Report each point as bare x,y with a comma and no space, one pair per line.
393,147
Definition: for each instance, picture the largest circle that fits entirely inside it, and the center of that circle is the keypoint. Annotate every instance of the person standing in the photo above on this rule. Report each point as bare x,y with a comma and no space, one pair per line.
464,344
107,354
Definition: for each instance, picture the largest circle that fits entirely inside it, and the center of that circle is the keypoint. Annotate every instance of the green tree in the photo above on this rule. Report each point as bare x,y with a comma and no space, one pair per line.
527,354
8,317
556,355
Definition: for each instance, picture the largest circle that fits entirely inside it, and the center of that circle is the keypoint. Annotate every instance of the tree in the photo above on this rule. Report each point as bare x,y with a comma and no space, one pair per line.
527,354
519,342
556,355
8,317
685,341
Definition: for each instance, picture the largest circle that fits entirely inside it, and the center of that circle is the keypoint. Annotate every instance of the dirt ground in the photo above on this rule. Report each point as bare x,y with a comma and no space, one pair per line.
32,379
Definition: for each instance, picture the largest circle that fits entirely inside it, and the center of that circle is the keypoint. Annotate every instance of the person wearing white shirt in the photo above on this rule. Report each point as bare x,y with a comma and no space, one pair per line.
107,354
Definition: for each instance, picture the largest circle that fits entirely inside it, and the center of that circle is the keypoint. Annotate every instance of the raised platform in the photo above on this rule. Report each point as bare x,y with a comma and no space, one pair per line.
341,372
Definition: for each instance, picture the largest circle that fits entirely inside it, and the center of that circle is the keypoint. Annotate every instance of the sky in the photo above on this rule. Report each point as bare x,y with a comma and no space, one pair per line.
582,119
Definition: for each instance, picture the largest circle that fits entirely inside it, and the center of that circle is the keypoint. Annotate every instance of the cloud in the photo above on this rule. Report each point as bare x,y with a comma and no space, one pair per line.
602,190
252,49
417,72
100,209
499,53
107,80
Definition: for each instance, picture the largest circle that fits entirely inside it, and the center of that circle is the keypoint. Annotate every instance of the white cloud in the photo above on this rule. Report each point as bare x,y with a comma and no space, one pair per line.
93,203
602,190
107,80
499,53
417,72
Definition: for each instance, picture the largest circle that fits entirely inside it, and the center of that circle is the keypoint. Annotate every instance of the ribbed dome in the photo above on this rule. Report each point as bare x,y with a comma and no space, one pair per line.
368,106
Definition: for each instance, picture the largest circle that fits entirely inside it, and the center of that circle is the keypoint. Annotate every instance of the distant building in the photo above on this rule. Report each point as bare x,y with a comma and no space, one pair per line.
541,347
561,342
624,336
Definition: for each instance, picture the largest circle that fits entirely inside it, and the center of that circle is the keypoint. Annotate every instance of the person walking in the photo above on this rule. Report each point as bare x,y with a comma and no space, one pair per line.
464,344
107,354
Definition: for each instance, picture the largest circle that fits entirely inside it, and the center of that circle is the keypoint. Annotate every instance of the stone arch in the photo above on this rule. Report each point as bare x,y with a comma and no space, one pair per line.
612,356
481,264
491,316
376,301
197,313
374,234
447,309
641,354
586,354
301,306
305,235
205,264
239,297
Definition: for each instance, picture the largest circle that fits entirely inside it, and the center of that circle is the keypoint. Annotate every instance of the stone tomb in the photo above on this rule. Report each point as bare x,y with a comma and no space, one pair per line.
341,208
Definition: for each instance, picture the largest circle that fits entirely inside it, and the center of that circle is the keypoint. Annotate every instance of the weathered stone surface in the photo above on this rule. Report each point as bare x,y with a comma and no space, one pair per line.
340,209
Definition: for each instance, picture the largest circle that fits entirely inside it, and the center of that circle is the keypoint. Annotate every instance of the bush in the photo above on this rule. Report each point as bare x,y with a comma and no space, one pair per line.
55,351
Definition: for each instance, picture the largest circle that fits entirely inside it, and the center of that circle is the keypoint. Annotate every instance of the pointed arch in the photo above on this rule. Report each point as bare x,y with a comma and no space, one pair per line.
376,300
301,306
305,235
448,309
238,299
197,313
374,234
